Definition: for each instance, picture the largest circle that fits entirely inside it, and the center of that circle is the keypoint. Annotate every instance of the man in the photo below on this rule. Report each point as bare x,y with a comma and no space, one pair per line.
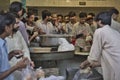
115,24
32,30
57,24
105,48
81,31
46,25
47,28
6,26
15,41
16,7
71,23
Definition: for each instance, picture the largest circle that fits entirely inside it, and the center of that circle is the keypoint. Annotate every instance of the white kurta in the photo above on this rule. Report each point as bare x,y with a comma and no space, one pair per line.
106,46
17,43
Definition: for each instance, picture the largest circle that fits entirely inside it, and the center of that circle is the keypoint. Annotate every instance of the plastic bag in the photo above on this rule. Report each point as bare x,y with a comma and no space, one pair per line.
65,45
52,77
28,73
91,75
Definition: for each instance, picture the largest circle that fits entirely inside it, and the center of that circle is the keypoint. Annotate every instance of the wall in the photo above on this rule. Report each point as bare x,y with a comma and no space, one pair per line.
71,3
64,6
4,4
117,5
66,10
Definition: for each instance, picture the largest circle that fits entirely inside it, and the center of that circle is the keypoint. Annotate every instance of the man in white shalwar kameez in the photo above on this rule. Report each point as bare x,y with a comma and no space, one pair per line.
105,48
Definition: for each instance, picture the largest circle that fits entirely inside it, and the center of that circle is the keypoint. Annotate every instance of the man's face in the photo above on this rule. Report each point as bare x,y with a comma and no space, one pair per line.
99,24
90,22
16,26
59,19
115,16
73,19
9,29
66,19
54,17
82,20
31,18
20,12
49,18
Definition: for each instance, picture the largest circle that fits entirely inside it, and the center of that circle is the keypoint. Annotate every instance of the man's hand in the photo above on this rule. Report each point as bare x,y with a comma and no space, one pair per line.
22,63
15,52
32,64
85,64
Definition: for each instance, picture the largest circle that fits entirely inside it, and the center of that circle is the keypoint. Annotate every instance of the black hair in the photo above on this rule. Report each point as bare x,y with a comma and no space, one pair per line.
104,17
82,15
113,11
14,15
36,18
72,14
23,12
66,16
89,18
45,13
92,14
15,7
6,19
60,15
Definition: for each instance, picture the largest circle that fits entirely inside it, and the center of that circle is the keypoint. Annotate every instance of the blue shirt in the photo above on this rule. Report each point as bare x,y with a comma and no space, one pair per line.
4,62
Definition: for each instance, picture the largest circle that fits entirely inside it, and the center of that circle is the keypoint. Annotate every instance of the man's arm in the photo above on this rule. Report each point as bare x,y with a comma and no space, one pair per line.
8,72
21,64
95,52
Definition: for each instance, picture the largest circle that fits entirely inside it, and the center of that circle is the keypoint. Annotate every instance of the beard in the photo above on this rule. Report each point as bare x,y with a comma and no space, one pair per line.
98,26
15,30
49,20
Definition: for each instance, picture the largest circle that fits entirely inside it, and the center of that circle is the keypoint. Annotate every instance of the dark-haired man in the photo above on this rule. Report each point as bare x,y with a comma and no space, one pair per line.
46,27
6,26
16,7
105,48
81,31
72,21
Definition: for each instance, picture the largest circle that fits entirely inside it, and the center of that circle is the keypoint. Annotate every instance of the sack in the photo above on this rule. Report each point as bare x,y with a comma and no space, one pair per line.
65,45
92,75
52,77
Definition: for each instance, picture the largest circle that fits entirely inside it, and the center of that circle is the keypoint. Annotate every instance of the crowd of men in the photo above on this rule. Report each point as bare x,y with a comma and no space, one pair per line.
100,33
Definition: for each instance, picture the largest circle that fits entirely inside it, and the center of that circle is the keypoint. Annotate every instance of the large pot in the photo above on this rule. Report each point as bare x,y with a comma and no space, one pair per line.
52,39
